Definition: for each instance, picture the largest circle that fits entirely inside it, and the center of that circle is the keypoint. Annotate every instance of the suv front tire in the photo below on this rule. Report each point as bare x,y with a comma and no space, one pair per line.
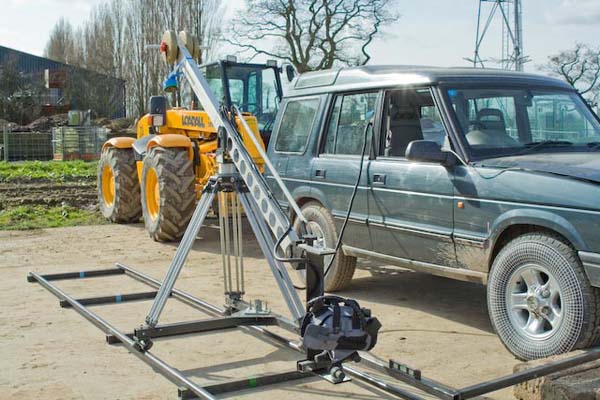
539,299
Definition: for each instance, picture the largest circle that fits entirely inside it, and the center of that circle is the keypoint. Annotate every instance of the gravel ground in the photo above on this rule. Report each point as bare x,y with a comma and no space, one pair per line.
435,324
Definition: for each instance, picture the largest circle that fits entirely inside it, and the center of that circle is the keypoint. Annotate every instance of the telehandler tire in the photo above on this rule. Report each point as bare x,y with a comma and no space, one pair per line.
118,186
168,192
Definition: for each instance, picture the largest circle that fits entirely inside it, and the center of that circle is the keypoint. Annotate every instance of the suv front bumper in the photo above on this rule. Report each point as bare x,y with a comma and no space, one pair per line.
591,264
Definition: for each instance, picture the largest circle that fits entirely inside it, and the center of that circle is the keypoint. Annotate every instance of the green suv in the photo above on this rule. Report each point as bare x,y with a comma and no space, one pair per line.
480,175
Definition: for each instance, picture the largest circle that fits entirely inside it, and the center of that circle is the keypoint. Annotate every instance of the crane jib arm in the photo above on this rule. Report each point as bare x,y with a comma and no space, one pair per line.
277,220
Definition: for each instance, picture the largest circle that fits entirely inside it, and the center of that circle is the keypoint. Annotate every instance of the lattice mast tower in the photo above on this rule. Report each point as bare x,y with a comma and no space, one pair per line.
510,14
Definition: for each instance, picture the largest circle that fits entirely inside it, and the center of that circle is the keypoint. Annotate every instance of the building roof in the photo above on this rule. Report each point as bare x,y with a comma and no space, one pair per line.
30,63
380,76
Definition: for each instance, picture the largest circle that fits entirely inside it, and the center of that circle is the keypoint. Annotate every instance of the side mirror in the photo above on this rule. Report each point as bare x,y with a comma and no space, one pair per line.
428,151
290,72
158,110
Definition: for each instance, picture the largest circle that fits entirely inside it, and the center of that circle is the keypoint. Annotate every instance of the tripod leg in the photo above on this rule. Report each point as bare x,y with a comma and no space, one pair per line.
181,255
222,228
267,246
224,211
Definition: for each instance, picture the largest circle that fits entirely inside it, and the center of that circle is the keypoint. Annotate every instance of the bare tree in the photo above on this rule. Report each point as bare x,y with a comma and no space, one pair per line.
580,67
201,17
204,19
311,34
98,36
112,41
61,43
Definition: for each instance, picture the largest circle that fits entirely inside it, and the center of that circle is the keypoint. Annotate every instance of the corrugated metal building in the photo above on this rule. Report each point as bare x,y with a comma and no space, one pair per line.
68,87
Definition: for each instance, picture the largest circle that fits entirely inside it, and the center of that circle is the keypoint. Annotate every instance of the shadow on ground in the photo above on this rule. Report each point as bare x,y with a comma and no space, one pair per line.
463,302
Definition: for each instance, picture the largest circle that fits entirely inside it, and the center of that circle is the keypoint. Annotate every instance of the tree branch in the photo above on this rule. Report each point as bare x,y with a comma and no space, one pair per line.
311,34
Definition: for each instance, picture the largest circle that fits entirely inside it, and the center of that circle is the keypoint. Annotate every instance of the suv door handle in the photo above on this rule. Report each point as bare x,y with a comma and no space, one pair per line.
320,173
378,179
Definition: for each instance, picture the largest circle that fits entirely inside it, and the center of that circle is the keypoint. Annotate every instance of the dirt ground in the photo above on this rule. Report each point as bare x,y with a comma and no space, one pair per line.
77,192
435,324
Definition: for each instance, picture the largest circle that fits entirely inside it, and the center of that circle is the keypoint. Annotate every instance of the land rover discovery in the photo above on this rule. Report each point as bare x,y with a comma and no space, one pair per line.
480,175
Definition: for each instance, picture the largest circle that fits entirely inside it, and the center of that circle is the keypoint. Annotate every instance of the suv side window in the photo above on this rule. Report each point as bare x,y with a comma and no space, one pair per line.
410,114
346,128
296,124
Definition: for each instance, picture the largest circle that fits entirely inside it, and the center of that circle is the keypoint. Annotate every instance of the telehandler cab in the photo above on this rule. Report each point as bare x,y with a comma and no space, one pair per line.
161,174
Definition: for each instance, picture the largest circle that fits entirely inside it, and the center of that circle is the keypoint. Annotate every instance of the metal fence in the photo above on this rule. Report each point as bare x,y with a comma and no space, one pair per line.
78,142
63,143
24,146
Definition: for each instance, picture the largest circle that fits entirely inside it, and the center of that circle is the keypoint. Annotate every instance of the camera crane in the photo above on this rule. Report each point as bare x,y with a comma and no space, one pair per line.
334,331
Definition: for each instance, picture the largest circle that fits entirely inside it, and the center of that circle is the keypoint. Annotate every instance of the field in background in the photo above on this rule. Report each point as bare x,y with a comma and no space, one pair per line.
35,217
47,170
47,194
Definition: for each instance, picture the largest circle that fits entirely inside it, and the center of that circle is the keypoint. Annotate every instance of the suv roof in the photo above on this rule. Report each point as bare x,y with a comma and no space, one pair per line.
378,76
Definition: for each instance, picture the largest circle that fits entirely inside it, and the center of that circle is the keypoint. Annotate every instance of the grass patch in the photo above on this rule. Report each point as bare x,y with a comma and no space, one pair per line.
48,170
36,217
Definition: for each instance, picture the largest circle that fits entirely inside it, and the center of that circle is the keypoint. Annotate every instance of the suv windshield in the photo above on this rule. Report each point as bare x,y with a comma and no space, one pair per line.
508,122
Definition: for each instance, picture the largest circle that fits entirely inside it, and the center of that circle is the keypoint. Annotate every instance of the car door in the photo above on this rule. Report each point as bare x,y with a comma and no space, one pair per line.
335,171
411,204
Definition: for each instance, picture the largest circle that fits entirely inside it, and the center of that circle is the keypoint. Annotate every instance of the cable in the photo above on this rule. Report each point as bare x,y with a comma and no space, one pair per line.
468,166
276,248
351,203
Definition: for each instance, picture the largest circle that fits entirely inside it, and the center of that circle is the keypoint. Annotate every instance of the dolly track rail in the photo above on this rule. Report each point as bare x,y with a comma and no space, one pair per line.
147,357
191,389
369,360
187,388
432,387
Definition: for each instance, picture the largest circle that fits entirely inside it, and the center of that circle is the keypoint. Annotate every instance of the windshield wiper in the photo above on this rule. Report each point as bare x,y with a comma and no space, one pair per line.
532,146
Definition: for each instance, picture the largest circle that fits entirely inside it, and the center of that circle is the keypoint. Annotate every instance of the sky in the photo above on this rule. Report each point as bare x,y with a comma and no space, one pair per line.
429,32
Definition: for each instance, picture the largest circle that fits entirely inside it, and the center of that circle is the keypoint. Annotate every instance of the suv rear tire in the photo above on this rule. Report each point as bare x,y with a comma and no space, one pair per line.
540,301
321,224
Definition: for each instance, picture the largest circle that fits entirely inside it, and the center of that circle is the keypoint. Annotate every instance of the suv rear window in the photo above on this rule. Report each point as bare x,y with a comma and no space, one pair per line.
349,117
296,125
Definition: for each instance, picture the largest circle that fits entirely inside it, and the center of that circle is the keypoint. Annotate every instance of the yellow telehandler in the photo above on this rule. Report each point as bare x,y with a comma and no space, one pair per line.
160,175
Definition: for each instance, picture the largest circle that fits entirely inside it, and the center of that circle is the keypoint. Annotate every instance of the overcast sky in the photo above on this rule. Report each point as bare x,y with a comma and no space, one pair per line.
432,32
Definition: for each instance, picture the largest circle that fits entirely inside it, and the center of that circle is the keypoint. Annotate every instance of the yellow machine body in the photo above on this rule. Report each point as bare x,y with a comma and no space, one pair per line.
197,127
151,177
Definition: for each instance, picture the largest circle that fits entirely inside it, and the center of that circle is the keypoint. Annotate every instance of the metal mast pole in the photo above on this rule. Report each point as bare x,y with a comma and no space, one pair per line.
518,37
476,55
